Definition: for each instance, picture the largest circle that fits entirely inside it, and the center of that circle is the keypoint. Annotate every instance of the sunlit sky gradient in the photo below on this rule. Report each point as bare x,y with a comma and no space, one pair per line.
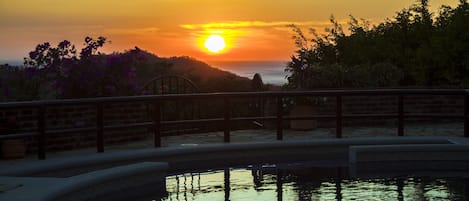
253,29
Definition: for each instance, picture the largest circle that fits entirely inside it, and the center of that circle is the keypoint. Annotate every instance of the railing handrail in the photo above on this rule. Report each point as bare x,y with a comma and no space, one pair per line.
144,98
156,100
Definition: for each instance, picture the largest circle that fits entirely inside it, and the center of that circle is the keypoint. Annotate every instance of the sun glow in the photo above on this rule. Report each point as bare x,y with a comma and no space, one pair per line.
215,43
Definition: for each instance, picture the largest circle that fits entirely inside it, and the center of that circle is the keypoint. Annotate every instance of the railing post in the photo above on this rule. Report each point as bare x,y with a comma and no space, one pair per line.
226,122
338,116
400,111
100,128
466,115
41,142
279,118
157,124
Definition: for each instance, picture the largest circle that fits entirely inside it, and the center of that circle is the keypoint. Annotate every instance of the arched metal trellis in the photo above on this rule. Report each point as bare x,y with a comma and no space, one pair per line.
169,84
174,110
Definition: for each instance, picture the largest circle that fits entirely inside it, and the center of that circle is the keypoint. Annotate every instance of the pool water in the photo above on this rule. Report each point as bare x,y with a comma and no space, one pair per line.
271,182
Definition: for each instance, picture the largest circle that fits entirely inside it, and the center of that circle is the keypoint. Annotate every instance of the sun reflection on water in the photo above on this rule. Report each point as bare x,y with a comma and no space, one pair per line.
257,183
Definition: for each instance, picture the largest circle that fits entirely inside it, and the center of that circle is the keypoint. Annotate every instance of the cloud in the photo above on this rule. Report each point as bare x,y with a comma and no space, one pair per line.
135,31
254,24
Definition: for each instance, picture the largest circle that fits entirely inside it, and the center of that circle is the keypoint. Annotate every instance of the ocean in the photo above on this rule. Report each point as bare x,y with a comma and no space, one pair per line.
272,72
12,62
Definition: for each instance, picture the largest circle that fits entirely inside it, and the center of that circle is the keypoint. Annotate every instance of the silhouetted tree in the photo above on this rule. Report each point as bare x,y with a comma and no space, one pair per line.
90,75
413,48
45,56
256,83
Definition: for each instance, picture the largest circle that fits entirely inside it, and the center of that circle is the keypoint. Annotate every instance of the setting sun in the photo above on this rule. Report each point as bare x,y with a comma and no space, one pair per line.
215,43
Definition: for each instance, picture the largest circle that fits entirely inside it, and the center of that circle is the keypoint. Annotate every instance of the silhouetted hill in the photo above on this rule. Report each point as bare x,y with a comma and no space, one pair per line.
116,74
206,77
191,66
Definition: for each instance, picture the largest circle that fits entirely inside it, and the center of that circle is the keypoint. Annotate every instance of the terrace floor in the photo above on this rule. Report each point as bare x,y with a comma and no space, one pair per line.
262,135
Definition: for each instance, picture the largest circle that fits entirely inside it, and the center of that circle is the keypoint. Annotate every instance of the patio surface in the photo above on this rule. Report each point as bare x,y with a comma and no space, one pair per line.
260,135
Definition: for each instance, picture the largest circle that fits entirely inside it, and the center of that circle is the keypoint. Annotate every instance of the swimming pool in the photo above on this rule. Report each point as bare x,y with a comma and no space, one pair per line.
338,169
297,182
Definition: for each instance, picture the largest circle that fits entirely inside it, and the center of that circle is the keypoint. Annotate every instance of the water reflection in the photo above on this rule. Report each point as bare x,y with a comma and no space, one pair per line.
307,184
227,184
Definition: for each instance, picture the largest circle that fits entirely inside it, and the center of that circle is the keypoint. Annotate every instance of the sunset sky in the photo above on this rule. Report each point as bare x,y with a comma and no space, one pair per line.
251,29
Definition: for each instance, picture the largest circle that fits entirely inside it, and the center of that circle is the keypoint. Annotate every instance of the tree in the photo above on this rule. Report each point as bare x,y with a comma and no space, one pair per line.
415,48
256,83
91,47
90,75
45,56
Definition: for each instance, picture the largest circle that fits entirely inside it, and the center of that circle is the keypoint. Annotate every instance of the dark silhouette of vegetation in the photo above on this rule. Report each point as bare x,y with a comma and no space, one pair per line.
91,74
63,72
415,48
257,84
207,78
18,84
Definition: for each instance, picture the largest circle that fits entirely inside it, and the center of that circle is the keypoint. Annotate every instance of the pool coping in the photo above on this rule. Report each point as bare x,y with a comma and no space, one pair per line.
81,172
85,186
408,152
179,156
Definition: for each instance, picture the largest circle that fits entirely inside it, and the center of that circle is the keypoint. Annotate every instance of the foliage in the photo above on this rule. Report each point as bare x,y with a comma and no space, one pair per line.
61,72
98,75
92,74
413,49
18,84
116,74
257,84
45,56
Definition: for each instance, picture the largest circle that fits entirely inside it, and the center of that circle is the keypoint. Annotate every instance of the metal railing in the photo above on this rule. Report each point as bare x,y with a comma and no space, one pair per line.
157,121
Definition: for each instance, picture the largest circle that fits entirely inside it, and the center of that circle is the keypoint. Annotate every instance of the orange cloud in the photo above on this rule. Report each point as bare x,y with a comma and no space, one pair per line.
134,31
253,24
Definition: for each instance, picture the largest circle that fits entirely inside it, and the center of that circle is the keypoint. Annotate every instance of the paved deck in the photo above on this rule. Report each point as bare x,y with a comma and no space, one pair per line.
261,135
89,169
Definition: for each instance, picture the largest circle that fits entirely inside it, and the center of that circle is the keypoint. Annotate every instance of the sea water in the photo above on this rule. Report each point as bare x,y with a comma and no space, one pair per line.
272,72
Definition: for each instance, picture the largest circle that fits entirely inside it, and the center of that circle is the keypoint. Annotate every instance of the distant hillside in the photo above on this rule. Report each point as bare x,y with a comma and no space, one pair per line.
116,74
206,77
192,66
